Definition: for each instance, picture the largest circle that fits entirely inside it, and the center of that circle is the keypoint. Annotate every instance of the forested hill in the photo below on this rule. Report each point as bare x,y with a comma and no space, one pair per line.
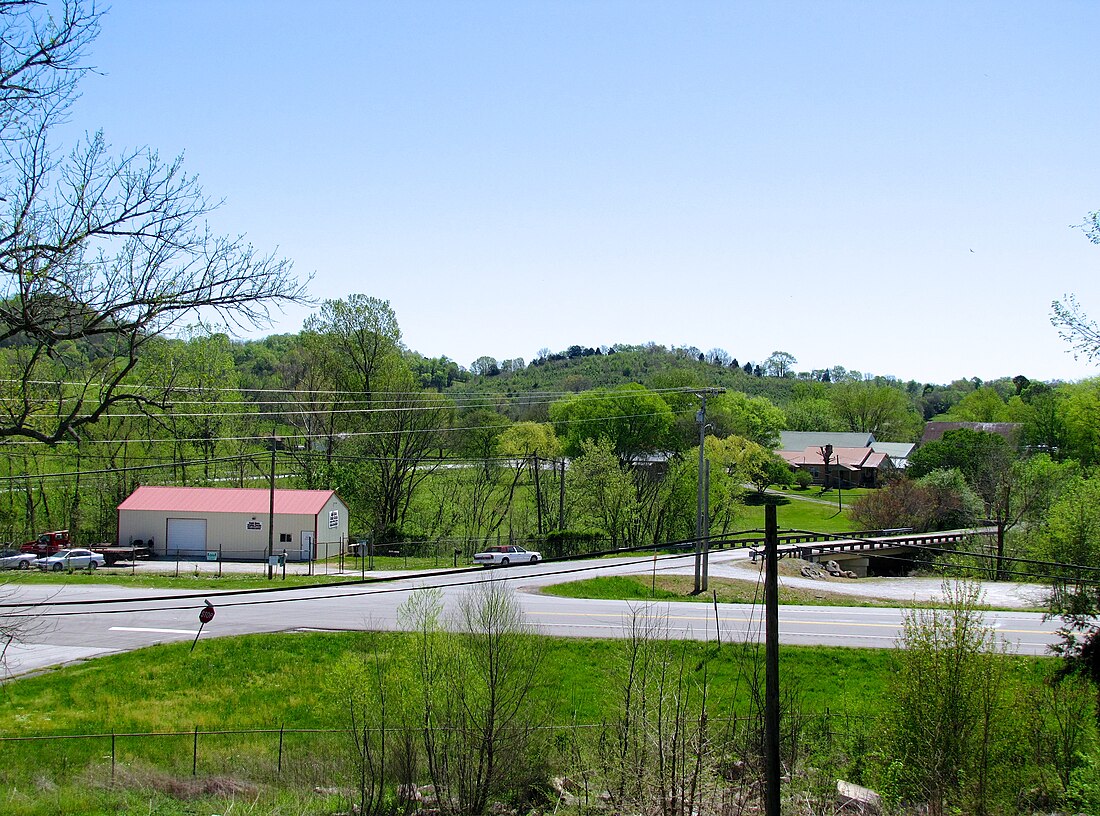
810,400
579,369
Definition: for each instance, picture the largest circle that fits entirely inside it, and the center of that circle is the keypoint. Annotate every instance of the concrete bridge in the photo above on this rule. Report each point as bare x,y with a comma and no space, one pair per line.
854,551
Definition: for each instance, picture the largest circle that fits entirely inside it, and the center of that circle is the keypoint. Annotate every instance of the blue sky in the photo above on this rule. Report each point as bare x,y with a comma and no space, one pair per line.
884,186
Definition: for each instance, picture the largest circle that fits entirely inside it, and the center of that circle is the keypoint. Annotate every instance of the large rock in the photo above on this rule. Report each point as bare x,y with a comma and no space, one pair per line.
852,798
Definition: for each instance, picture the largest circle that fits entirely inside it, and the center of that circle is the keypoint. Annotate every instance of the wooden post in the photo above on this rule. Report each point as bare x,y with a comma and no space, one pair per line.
771,663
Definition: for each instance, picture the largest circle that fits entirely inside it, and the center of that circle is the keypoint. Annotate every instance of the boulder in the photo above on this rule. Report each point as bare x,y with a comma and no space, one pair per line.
852,798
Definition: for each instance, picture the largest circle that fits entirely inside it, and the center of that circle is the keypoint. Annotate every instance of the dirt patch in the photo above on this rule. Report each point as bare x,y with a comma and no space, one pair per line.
184,787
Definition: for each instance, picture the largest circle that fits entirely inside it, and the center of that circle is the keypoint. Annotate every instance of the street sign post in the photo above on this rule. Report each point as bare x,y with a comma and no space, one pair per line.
206,614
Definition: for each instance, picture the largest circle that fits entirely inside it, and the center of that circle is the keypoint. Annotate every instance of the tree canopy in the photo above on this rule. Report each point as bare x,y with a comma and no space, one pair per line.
632,418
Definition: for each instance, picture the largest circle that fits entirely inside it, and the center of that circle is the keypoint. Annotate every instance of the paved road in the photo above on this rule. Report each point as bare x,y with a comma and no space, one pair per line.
65,624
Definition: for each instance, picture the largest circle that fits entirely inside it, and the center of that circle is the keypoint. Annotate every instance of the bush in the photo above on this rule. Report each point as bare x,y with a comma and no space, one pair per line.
803,480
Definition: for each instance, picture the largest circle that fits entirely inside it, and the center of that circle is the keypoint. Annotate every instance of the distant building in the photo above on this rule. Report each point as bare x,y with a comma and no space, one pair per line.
934,431
233,522
850,467
798,441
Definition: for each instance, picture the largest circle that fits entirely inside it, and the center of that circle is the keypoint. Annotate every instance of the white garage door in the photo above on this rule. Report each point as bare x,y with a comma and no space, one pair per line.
187,537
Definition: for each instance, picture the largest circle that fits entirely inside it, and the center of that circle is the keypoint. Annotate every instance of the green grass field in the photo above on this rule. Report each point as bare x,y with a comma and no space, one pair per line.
728,590
154,700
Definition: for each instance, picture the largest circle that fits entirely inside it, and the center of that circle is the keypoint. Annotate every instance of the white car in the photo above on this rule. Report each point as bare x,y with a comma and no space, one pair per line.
71,559
14,559
504,554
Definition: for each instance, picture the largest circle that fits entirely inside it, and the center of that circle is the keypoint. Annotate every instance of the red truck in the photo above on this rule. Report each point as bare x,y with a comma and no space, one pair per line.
48,543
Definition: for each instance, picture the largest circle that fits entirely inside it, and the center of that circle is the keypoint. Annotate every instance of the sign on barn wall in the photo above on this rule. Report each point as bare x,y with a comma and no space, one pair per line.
254,525
333,519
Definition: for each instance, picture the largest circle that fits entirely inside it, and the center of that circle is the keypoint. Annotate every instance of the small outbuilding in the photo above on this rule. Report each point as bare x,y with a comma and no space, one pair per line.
195,522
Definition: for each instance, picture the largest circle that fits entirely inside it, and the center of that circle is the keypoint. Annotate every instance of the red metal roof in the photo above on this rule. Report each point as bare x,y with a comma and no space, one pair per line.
847,458
226,500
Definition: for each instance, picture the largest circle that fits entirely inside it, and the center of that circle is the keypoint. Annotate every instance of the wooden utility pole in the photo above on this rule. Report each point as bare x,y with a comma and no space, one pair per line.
538,494
771,663
700,493
271,512
561,497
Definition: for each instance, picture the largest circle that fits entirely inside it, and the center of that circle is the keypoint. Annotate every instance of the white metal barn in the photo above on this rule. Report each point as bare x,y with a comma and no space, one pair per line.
196,521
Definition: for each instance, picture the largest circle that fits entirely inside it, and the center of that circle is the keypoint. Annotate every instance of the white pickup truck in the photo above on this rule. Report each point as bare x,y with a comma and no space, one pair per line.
504,554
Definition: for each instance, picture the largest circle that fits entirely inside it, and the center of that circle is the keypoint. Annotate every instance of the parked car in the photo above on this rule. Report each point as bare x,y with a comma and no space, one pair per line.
14,559
504,554
71,559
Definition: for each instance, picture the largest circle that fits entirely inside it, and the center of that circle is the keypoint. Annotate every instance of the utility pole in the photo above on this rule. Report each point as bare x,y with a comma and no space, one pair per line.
771,663
561,497
700,492
538,495
271,512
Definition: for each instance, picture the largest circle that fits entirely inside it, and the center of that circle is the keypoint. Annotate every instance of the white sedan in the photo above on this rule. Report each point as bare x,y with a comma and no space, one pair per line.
14,559
71,559
504,554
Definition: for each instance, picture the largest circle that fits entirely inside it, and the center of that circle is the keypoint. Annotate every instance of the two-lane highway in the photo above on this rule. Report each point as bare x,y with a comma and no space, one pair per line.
64,623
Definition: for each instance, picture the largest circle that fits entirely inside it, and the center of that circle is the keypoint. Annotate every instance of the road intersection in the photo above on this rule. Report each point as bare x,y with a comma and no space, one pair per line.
63,624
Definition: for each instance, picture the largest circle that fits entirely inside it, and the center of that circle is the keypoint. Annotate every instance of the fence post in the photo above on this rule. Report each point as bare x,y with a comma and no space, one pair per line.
195,754
112,756
281,727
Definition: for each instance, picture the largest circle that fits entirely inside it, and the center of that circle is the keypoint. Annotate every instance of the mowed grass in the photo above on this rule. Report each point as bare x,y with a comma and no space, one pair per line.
264,681
681,588
728,590
799,514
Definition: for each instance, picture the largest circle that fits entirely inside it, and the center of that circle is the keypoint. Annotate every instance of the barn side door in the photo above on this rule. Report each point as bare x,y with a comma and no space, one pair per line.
307,545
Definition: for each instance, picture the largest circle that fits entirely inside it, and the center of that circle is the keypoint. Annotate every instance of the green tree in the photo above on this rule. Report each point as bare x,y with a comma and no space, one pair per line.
1080,413
529,439
811,414
365,340
602,491
780,364
754,418
882,410
968,451
983,405
749,462
1071,535
477,716
949,726
632,418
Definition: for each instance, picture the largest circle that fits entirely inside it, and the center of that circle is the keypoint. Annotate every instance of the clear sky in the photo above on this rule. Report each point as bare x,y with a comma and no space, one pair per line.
887,186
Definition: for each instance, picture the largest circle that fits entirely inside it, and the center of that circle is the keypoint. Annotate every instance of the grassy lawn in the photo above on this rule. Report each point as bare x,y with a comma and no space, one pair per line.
729,590
795,513
264,681
291,681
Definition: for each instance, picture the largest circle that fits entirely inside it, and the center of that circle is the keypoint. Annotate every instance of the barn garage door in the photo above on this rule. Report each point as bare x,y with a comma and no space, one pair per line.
187,537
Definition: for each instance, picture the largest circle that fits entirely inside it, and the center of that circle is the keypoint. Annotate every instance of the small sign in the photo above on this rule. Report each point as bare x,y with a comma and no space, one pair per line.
211,555
207,614
254,525
273,560
333,519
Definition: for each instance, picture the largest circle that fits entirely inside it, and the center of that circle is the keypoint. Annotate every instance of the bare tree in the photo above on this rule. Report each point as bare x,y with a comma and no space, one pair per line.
1073,324
477,713
99,253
